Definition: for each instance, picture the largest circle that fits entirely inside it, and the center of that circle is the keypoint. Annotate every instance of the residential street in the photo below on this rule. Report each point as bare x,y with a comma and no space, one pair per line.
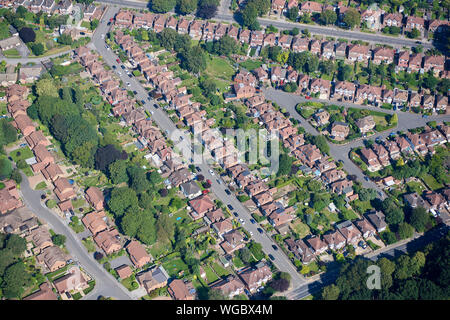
395,250
406,120
223,15
160,117
106,284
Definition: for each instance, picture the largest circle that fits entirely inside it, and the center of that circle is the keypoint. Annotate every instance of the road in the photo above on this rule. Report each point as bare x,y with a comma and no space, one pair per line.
406,120
389,252
162,120
106,284
225,16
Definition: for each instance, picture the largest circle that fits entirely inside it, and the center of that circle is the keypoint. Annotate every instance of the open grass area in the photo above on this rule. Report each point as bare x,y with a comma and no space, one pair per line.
89,244
431,182
173,267
41,185
3,109
251,64
22,153
11,53
210,275
219,68
299,228
221,271
361,206
130,283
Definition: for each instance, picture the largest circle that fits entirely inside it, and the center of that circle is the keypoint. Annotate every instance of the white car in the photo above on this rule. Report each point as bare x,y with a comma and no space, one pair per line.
212,172
251,233
241,221
128,84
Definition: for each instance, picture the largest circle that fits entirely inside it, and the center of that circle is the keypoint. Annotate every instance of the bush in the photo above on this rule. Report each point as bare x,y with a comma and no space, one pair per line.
27,35
50,204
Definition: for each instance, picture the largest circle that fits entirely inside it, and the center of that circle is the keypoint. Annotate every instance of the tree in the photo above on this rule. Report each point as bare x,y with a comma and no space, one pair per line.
46,87
5,169
15,279
122,199
107,155
367,194
249,17
285,164
405,230
280,284
352,18
414,34
330,292
16,244
193,60
225,46
162,6
245,255
344,73
138,179
59,239
419,219
21,11
321,143
117,171
207,9
65,39
16,176
165,228
139,224
216,294
167,38
37,49
328,17
8,133
27,35
292,14
187,6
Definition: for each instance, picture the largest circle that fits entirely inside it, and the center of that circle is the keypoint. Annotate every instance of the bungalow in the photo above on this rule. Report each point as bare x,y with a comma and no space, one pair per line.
181,290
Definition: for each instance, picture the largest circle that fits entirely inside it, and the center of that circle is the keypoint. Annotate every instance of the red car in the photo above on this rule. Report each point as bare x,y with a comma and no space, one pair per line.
205,191
307,97
118,61
208,181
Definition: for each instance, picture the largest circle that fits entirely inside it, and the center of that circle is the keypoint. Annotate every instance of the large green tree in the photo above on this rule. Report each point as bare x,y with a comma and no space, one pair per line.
162,6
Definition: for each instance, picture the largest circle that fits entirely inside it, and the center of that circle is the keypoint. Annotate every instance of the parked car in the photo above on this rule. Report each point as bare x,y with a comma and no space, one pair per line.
230,207
252,221
241,221
271,257
227,192
156,105
123,67
118,60
211,171
235,214
260,230
208,181
274,247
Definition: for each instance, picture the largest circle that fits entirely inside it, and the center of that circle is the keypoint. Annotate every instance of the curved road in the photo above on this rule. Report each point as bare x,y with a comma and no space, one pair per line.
105,283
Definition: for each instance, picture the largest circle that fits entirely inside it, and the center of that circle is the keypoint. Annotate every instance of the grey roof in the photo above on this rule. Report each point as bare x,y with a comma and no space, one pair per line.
190,187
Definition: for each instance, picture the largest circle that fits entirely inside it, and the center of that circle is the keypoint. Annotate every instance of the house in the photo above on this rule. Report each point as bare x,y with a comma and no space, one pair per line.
357,52
317,245
332,176
44,293
383,55
30,73
9,77
303,81
108,241
261,74
159,23
180,290
343,186
270,39
370,158
18,221
285,41
183,26
10,43
214,216
328,50
200,206
382,154
52,257
403,144
372,18
16,92
392,148
153,279
24,124
315,46
124,19
403,60
243,91
138,254
413,22
415,140
74,280
181,176
435,63
428,101
255,277
244,36
95,222
233,32
367,92
367,230
190,189
365,124
321,86
415,100
344,90
436,200
263,198
393,20
377,219
340,130
349,231
37,138
222,227
256,38
230,286
300,44
341,50
277,6
246,78
300,250
95,198
310,7
441,102
432,138
322,116
41,239
415,62
63,189
233,241
437,25
334,239
124,271
143,20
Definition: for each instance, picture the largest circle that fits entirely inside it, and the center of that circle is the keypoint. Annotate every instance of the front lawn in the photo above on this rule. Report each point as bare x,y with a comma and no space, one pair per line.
130,283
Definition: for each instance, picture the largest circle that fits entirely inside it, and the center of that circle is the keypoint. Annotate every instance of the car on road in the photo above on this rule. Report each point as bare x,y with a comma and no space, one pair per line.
155,105
218,181
106,46
230,207
114,67
118,60
419,42
274,247
241,221
123,67
271,257
129,75
143,101
307,97
227,192
235,214
341,161
212,172
251,233
260,230
149,99
209,182
252,221
135,92
198,169
205,191
425,116
366,178
128,84
119,73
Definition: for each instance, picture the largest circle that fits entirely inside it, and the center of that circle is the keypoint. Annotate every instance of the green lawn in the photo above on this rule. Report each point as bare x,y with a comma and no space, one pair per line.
22,153
11,53
300,228
174,266
130,283
89,244
210,275
41,185
3,109
219,68
221,271
251,64
361,206
431,182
